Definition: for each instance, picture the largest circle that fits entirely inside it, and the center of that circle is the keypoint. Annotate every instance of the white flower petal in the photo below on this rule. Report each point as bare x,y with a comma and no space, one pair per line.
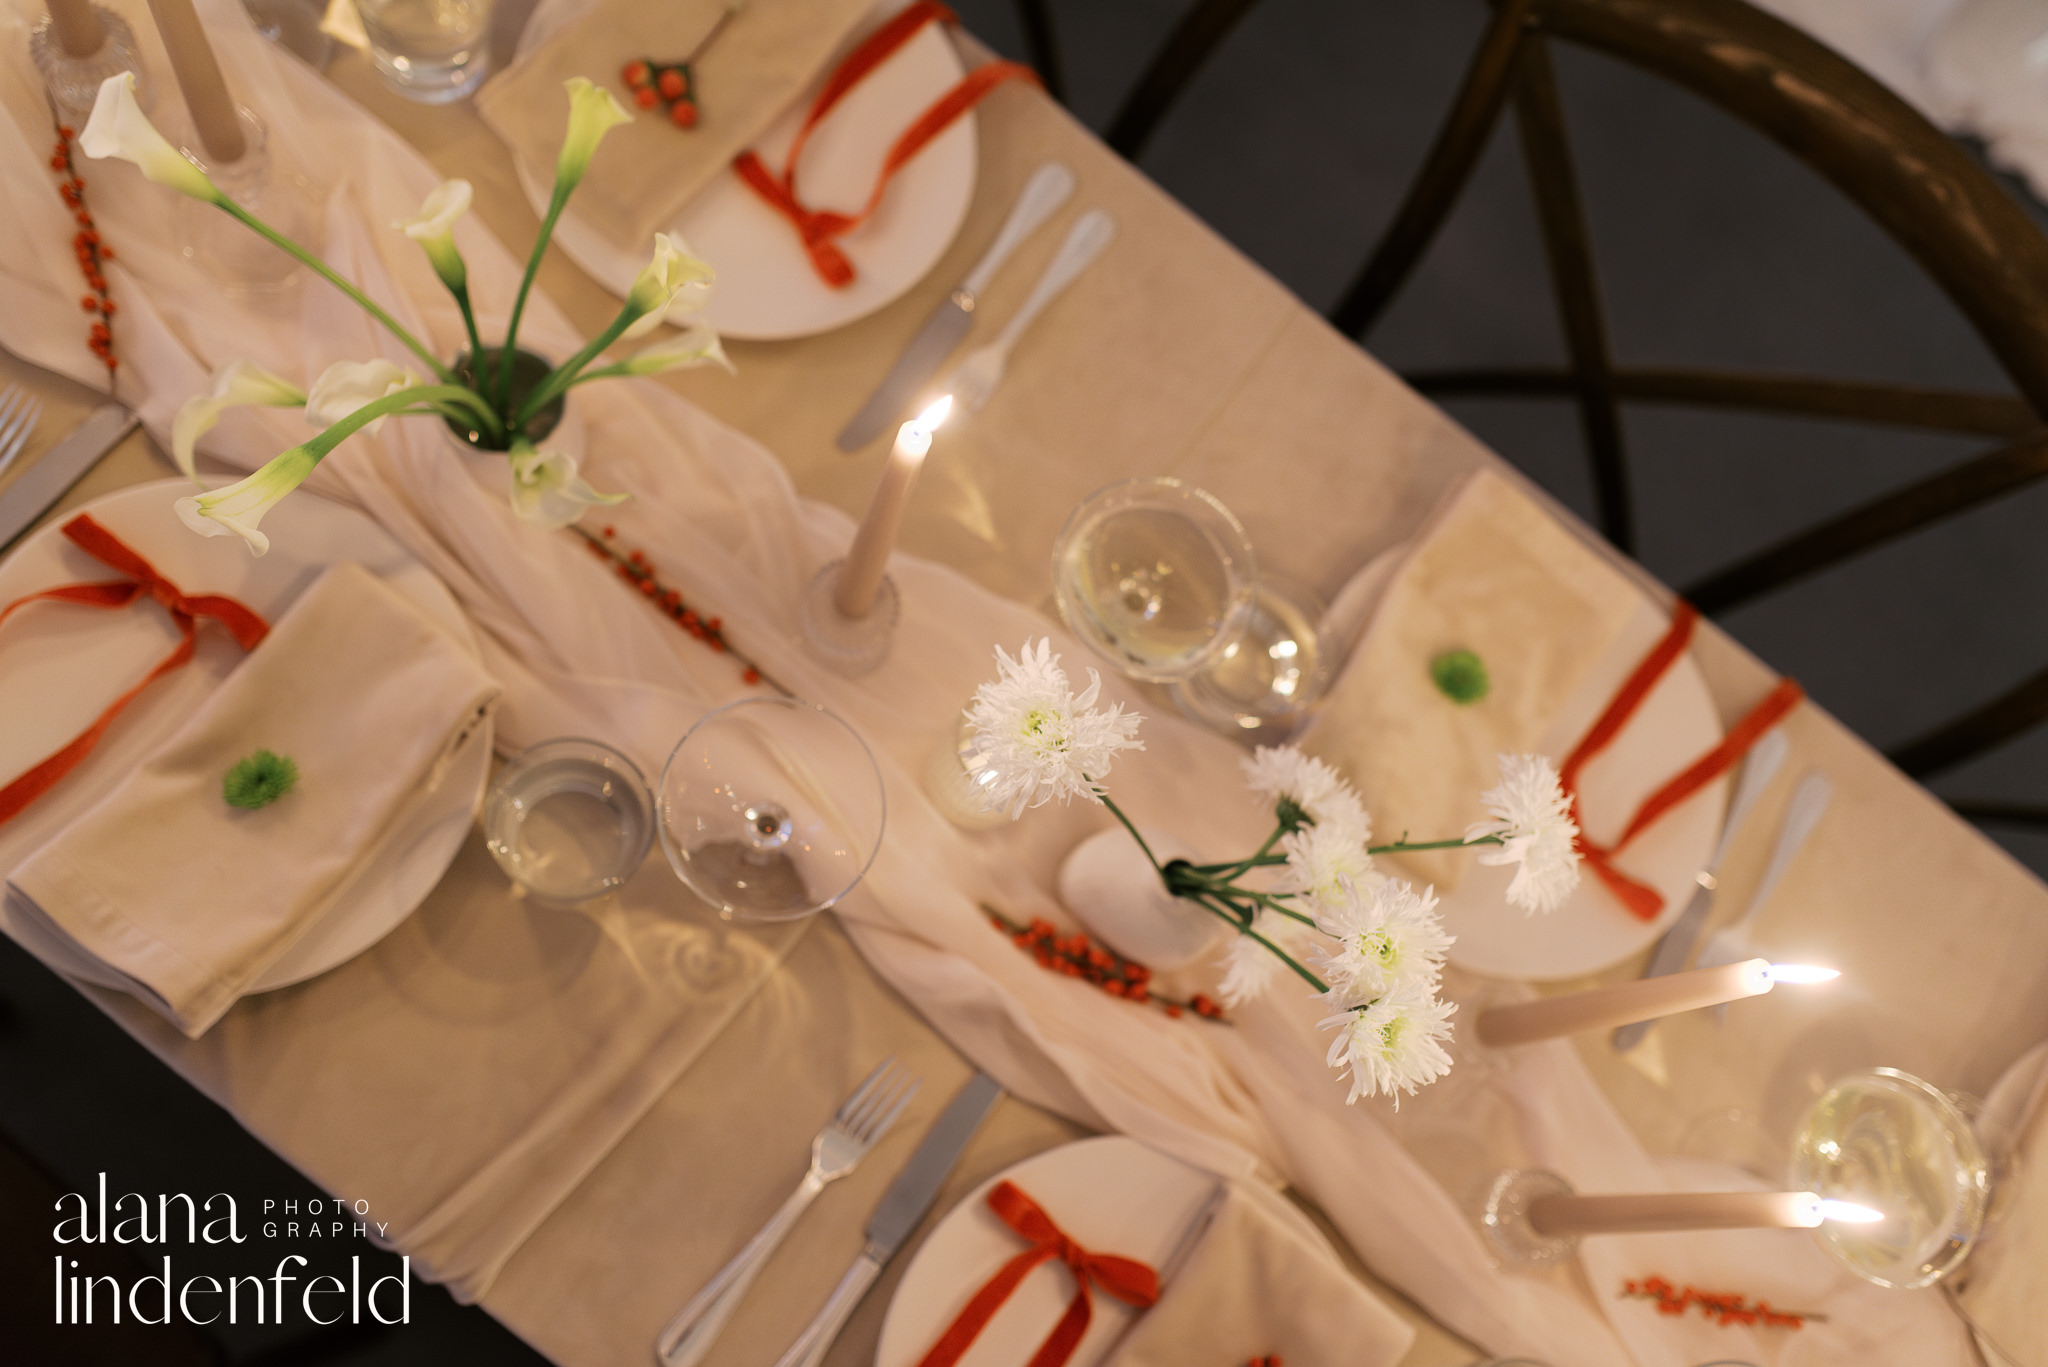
1035,740
119,128
593,112
1533,823
672,284
239,507
236,385
1393,1045
346,386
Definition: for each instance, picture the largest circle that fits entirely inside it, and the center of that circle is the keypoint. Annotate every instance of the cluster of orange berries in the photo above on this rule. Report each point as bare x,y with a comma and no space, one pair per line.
1728,1308
654,83
1269,1360
91,252
1076,956
635,568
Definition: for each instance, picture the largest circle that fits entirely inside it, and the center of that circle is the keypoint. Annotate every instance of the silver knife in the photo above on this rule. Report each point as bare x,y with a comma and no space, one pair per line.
39,486
1047,189
901,1209
1766,757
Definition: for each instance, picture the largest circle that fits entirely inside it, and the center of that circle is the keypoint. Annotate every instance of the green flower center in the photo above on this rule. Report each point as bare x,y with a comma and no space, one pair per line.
1391,1034
1379,946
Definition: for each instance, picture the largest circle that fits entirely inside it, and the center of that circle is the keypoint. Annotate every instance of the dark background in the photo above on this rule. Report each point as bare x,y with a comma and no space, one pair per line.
1296,144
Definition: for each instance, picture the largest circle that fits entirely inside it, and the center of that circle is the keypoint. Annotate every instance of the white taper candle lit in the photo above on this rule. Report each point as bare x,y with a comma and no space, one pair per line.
76,26
860,578
1654,1211
198,72
1604,1008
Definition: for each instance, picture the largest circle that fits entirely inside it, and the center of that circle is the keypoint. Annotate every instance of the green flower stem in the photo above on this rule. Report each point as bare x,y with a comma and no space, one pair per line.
1282,955
326,272
390,404
565,374
1237,867
1401,846
1118,813
556,201
476,343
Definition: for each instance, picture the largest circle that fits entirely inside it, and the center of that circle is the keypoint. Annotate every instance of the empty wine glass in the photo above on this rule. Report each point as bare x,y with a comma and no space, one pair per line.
1156,576
770,809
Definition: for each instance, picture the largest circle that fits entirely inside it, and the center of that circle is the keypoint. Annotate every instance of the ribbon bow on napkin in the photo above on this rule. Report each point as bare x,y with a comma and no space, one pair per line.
1643,901
143,580
1128,1280
820,228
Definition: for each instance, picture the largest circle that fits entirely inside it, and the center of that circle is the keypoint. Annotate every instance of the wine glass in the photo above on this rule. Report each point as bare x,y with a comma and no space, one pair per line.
1887,1140
1156,576
1262,683
770,809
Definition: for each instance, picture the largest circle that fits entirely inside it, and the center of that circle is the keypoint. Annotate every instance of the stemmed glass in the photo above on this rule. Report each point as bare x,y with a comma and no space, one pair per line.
1159,578
770,809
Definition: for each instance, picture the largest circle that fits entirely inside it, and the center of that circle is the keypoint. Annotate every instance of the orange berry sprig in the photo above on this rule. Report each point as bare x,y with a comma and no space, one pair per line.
670,83
1076,956
92,253
636,569
1723,1308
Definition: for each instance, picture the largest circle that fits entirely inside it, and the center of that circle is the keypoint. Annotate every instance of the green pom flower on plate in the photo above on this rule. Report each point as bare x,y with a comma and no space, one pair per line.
259,780
1460,676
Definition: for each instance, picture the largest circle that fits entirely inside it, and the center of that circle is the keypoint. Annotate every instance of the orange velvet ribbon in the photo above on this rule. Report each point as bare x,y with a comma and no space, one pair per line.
1127,1279
143,581
1641,900
820,228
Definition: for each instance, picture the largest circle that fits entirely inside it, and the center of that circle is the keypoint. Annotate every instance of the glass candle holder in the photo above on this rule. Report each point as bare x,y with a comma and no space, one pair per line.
239,260
73,80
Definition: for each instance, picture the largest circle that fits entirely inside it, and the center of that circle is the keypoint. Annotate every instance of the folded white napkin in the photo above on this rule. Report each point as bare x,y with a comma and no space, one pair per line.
1497,575
189,899
1258,1284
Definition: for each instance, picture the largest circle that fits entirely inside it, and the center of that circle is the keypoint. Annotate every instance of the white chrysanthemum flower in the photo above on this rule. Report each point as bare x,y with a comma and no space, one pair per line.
1249,967
1394,1045
1382,939
1322,859
1037,739
1277,772
1532,818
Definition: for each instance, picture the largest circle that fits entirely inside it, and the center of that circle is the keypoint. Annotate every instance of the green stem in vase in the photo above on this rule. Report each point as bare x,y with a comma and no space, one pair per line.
1118,813
565,374
556,201
1282,955
476,343
327,273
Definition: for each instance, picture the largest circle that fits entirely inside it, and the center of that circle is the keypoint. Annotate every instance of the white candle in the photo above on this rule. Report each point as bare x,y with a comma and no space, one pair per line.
860,578
206,94
76,26
1603,1008
1651,1211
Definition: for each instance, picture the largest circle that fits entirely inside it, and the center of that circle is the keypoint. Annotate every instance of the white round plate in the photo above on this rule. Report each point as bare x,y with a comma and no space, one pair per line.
63,665
1112,1194
766,289
1674,726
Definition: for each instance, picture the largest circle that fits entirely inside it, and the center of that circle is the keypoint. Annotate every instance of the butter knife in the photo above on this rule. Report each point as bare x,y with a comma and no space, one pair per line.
1766,757
45,481
1047,189
901,1208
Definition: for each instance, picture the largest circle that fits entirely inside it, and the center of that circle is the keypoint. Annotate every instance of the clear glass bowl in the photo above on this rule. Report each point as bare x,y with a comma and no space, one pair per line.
1887,1140
569,820
1156,576
771,809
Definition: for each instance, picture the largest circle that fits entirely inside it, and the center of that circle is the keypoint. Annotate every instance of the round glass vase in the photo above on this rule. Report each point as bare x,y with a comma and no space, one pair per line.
528,370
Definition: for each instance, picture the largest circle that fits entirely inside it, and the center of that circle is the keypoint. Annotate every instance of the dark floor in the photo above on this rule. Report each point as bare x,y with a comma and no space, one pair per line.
1296,144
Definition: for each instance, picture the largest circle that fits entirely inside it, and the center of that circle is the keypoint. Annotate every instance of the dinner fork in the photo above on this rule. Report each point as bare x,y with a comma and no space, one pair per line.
18,414
981,370
861,1120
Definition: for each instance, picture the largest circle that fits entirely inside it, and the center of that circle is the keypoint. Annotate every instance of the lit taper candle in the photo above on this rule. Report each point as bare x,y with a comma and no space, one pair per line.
1668,1210
860,578
1604,1008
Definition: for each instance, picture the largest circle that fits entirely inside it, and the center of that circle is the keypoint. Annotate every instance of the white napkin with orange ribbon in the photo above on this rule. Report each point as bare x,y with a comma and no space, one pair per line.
188,899
1259,1285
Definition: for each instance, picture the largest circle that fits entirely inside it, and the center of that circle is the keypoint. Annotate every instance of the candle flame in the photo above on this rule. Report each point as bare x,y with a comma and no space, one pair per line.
932,417
1801,973
1849,1212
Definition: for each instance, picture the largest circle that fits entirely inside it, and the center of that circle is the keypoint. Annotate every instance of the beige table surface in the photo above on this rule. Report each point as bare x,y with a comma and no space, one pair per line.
1186,359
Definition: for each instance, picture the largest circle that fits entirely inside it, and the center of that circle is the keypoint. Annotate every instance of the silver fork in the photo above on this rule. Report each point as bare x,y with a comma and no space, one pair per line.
861,1120
18,415
981,370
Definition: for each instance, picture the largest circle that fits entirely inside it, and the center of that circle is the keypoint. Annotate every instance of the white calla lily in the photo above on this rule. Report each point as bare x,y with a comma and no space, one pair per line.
236,385
696,345
593,112
546,489
673,283
346,386
119,128
236,509
433,227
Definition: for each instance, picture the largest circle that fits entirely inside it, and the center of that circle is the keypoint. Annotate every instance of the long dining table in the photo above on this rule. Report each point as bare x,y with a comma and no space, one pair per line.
1182,358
